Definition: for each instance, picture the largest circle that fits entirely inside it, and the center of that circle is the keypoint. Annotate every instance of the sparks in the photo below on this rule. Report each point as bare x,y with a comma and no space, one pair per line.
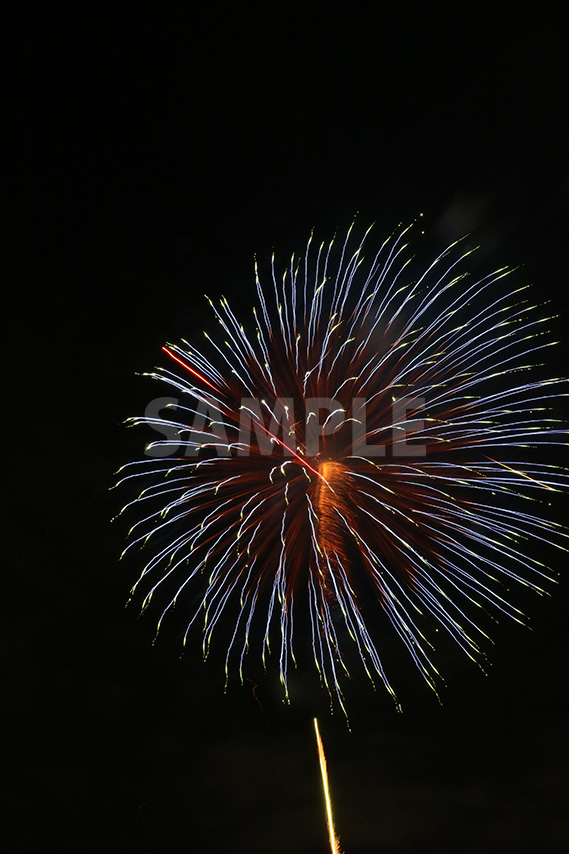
346,452
523,474
188,368
276,439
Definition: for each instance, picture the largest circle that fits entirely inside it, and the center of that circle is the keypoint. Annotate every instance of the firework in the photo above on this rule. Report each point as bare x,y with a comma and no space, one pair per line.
333,839
371,440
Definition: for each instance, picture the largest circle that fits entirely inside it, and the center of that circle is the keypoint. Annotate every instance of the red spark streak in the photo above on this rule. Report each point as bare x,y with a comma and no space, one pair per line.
286,447
187,367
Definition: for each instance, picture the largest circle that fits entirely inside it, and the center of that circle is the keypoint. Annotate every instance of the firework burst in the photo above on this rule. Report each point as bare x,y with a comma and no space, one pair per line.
372,441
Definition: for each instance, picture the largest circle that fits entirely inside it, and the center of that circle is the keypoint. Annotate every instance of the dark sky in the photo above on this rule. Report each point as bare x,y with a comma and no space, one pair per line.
153,156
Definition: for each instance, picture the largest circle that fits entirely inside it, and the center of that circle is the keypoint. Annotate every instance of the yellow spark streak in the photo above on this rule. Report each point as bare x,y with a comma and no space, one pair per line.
334,842
523,474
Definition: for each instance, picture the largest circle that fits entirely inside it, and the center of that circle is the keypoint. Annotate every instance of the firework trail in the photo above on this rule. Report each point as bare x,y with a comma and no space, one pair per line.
373,441
334,841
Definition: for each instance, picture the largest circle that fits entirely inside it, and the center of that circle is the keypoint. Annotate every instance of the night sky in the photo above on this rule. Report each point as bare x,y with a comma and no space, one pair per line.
153,157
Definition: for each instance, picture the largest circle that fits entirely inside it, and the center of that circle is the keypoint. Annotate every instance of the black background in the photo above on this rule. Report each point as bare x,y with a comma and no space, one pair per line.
154,154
